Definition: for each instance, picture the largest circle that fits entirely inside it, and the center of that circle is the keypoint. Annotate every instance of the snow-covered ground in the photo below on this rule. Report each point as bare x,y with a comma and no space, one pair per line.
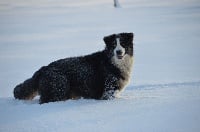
164,93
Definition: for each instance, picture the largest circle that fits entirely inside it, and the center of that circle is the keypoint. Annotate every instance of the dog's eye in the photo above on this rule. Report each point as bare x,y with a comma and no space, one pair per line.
114,44
123,44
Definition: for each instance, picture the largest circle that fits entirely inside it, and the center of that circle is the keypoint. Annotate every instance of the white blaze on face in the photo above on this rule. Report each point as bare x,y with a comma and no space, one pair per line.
119,48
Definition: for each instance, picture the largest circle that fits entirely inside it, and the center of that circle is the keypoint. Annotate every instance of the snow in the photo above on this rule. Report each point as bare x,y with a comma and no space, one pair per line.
164,92
169,107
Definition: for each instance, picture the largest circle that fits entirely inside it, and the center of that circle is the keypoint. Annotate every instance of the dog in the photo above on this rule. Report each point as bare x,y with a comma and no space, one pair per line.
101,75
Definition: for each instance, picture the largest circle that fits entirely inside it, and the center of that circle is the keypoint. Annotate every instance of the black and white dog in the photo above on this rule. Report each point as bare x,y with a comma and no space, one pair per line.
100,75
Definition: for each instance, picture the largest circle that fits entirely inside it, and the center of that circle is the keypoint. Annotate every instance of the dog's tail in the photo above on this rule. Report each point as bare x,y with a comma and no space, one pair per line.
28,89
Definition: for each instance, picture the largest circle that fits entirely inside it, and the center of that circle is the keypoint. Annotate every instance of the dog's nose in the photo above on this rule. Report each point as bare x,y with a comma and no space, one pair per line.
119,52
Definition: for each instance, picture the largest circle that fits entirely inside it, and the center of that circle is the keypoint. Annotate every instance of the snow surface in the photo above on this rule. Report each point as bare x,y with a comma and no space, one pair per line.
164,93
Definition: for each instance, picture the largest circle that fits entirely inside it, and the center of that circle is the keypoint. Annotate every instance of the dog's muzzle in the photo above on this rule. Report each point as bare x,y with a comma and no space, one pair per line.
119,54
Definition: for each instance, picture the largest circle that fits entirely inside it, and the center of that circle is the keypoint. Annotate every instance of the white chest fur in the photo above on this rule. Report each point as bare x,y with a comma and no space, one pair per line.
125,65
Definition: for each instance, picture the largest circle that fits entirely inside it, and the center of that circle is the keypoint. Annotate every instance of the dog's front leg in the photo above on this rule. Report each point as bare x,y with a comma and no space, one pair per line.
108,95
110,87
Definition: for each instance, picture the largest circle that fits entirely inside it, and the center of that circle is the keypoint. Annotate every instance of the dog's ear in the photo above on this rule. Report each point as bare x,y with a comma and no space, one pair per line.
131,35
128,36
109,39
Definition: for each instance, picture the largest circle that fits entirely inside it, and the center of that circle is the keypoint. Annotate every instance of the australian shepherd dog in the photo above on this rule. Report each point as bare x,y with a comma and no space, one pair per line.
101,75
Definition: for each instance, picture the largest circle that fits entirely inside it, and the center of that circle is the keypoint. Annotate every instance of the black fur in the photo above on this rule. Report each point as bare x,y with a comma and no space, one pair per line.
93,76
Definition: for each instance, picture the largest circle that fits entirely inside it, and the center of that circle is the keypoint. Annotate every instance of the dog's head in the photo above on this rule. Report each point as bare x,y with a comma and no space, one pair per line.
119,45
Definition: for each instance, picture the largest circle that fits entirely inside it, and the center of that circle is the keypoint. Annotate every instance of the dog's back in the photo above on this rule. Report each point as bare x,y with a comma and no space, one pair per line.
96,76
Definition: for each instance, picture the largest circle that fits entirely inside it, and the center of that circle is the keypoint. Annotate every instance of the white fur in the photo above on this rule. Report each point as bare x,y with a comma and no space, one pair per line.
119,47
125,65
